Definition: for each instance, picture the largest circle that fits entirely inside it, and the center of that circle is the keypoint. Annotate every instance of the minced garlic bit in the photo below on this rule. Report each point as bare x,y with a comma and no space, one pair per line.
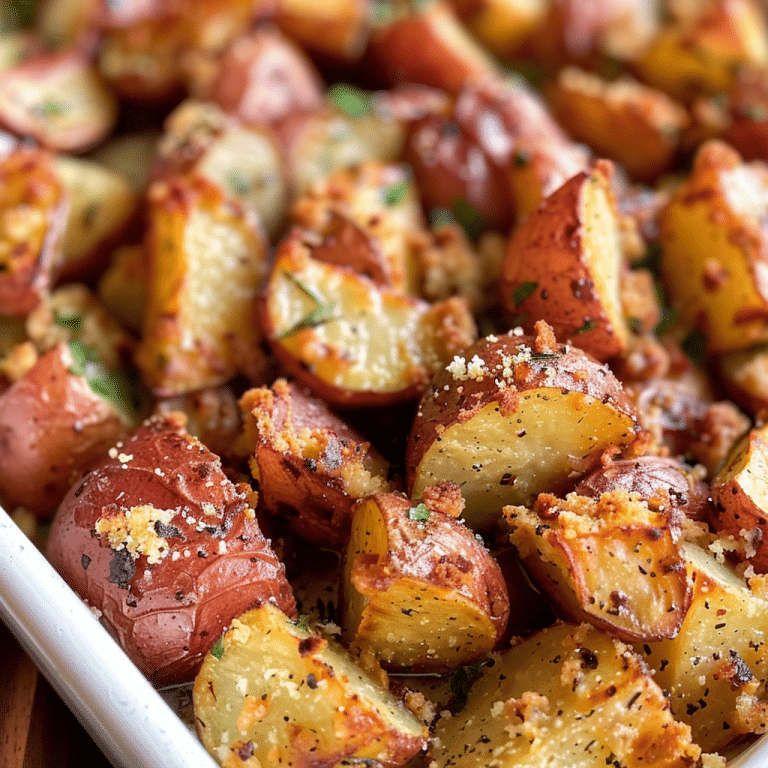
135,530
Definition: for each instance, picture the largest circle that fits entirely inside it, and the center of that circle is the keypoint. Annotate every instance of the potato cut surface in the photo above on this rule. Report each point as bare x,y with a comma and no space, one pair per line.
273,693
568,697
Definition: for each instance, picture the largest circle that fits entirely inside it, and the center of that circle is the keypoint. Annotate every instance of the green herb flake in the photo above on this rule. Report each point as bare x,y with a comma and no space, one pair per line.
303,287
634,324
420,513
651,260
218,648
695,345
350,100
522,292
468,218
72,322
589,325
303,623
51,108
394,194
239,183
546,355
318,316
441,217
755,112
461,681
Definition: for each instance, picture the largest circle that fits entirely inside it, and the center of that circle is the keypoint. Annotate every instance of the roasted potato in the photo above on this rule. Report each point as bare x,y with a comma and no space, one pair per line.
712,241
564,265
350,341
123,286
720,653
59,99
529,705
33,207
207,257
418,589
308,463
614,562
273,692
623,120
55,424
744,377
739,493
165,548
513,417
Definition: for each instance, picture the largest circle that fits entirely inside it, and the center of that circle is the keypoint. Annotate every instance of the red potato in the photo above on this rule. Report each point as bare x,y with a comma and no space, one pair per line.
53,427
263,77
166,549
353,342
564,265
310,465
59,99
430,47
33,207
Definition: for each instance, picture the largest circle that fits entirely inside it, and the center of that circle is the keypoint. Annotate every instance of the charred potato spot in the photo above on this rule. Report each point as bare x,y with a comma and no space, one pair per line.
293,697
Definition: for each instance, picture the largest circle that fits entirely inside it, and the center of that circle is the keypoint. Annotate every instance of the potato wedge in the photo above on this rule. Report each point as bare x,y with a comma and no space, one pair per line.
207,258
636,126
613,562
744,376
432,47
720,652
309,464
657,480
33,207
701,55
513,418
59,99
263,77
123,286
244,162
352,342
53,427
166,548
419,590
529,707
740,495
564,265
712,241
129,155
273,693
101,206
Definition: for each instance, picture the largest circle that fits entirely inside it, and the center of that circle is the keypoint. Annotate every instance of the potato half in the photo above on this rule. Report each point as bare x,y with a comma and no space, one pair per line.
351,341
720,653
712,249
309,464
612,562
273,693
740,493
207,257
419,590
564,265
511,419
567,697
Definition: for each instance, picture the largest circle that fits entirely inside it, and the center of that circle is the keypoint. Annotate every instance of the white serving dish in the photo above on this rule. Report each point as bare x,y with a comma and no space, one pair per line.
114,702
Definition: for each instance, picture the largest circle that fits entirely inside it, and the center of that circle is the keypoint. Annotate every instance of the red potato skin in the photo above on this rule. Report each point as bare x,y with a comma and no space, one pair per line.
651,477
565,295
169,614
449,165
53,428
27,178
264,78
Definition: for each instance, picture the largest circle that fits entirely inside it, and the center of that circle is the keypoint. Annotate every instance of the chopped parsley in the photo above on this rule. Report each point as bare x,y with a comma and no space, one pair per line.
239,183
354,102
468,218
694,345
303,623
589,325
419,513
73,322
394,194
522,292
318,316
461,681
218,648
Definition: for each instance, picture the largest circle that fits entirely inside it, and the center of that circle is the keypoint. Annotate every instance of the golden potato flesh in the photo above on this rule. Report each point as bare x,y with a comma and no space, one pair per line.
567,697
273,693
418,589
353,342
720,653
564,266
712,249
613,562
207,258
740,493
507,422
744,376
